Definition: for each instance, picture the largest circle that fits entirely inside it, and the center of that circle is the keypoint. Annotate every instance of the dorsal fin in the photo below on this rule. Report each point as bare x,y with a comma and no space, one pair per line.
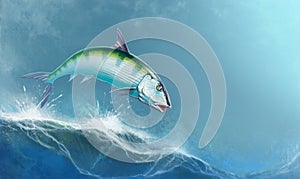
120,43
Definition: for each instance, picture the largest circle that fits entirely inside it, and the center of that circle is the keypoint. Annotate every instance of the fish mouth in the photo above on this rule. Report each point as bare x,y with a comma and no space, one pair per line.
162,107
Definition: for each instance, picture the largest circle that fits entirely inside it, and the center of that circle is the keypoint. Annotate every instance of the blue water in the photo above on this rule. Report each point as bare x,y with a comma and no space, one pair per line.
256,43
46,147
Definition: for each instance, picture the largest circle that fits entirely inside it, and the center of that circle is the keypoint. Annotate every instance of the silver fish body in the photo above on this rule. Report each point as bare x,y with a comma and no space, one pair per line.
113,65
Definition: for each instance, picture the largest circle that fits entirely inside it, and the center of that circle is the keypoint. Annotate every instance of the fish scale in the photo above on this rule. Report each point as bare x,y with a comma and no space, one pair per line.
114,65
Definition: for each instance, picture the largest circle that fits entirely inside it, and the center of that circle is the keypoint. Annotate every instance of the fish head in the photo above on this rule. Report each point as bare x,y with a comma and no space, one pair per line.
152,92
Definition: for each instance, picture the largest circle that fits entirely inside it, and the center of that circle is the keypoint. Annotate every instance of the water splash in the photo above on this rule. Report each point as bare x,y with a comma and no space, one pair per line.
67,137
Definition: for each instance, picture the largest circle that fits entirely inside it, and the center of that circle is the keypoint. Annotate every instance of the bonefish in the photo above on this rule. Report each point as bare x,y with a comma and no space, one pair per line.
114,65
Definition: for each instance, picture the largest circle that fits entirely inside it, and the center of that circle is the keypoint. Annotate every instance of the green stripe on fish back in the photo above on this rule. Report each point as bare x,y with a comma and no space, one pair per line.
77,56
124,57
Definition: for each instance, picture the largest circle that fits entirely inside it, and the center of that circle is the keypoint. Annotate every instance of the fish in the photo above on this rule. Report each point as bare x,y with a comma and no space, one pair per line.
114,65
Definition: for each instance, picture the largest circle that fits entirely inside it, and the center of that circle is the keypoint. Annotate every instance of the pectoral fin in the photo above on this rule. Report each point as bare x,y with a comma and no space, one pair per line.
127,89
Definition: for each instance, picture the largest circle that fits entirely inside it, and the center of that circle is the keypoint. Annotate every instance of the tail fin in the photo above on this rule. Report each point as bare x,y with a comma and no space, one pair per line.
44,77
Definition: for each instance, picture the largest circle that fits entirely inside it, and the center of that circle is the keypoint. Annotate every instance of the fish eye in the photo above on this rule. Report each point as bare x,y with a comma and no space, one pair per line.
158,87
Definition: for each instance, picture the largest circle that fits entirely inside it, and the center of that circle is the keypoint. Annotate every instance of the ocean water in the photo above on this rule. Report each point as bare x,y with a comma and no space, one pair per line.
257,47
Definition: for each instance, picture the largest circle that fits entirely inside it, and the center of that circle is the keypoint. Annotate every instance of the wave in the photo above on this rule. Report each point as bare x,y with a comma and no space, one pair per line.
69,138
289,170
24,122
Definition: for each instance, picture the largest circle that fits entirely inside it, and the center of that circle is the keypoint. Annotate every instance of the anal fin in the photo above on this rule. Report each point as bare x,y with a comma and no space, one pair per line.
86,78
